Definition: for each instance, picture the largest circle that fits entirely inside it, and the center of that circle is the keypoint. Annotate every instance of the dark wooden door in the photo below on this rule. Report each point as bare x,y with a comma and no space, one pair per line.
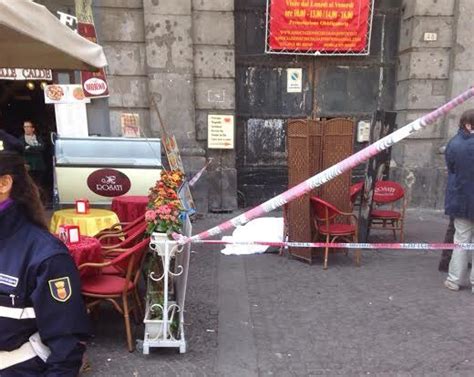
264,106
345,86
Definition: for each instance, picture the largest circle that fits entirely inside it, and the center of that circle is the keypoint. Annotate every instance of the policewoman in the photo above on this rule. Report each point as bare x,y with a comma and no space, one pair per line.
43,320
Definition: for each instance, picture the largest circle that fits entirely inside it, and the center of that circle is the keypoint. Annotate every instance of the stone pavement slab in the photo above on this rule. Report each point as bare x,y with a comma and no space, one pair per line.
268,315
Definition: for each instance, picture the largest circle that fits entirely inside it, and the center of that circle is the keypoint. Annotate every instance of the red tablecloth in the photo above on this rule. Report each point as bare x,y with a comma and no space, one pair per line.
129,207
87,250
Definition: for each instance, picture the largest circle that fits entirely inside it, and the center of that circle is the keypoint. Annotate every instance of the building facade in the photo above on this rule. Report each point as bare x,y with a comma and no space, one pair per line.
435,64
192,58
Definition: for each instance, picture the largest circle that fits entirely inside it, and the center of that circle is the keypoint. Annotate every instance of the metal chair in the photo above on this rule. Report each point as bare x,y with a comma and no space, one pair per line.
355,191
392,194
325,215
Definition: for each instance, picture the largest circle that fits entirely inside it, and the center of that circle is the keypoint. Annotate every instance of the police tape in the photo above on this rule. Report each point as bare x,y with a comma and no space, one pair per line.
335,170
198,175
342,245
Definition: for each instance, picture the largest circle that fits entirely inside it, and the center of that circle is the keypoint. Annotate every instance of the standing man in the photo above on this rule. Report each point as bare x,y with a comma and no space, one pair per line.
34,148
459,201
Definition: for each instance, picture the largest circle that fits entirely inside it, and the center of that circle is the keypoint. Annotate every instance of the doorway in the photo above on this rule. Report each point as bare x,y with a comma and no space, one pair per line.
24,100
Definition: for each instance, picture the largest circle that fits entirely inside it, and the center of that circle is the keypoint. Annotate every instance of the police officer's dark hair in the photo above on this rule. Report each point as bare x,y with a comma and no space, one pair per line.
24,191
467,117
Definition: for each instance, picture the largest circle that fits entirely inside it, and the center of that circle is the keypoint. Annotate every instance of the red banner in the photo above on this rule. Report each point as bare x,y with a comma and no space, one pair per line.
94,84
319,25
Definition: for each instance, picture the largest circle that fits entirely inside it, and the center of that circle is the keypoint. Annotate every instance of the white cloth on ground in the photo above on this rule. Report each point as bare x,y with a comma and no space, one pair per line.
268,229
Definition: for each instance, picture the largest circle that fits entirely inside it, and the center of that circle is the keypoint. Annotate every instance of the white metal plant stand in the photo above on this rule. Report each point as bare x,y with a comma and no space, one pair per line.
160,332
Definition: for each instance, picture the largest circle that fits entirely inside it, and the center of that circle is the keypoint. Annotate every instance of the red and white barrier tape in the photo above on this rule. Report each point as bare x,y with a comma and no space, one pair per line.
198,175
342,245
335,170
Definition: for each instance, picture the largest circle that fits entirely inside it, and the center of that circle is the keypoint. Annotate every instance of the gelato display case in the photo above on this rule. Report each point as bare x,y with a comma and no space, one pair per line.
101,168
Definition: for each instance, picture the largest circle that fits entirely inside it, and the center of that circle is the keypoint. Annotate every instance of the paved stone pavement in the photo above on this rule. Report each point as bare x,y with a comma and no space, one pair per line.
268,315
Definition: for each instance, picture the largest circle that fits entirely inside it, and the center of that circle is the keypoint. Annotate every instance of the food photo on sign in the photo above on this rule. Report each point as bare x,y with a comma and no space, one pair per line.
64,94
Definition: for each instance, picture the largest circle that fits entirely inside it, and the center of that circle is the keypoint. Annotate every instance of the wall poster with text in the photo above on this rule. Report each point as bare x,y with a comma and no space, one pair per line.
319,27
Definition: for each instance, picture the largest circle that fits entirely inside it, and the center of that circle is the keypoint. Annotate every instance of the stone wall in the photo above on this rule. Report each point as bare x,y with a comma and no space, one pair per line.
120,26
178,54
430,72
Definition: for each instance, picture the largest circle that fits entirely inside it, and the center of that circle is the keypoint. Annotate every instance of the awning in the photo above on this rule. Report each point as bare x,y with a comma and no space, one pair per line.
32,37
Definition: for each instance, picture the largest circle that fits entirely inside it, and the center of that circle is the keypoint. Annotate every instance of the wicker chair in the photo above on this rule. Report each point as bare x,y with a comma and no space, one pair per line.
325,215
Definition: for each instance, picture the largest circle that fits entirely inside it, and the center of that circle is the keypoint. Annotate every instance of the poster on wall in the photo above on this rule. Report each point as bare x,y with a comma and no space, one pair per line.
94,83
130,124
319,27
294,80
220,131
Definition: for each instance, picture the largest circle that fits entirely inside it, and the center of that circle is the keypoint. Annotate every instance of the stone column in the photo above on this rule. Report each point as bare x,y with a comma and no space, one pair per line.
424,75
462,60
170,67
214,72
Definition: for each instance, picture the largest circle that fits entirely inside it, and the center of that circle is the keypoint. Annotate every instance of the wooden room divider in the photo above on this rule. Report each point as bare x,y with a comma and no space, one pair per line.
315,145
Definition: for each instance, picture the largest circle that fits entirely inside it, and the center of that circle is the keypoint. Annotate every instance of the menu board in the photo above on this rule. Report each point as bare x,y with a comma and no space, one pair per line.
220,131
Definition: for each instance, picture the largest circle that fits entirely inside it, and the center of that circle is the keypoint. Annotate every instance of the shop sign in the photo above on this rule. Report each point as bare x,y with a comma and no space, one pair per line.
26,74
220,131
319,26
68,20
94,83
64,94
95,86
172,153
109,183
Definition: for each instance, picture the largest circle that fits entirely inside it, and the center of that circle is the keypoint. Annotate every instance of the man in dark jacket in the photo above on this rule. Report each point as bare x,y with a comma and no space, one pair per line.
459,202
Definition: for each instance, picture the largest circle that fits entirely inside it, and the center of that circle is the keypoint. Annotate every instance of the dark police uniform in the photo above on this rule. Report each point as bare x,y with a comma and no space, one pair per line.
39,294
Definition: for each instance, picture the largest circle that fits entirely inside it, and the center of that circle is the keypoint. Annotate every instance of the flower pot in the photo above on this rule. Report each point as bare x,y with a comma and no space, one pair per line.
159,237
154,327
160,241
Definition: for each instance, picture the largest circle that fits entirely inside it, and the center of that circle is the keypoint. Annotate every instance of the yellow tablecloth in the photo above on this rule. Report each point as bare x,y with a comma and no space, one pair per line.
89,224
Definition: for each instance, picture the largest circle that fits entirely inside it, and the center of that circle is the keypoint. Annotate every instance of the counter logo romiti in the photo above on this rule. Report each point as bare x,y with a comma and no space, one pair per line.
109,183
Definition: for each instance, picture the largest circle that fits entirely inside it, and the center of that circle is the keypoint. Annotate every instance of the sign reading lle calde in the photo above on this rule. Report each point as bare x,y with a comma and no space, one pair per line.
220,131
25,74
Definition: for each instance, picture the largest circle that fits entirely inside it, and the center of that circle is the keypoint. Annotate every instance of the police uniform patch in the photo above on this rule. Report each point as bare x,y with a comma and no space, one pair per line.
12,281
60,289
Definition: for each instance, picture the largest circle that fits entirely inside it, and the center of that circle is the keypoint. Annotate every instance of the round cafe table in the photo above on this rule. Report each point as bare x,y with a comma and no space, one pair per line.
87,250
129,207
89,224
